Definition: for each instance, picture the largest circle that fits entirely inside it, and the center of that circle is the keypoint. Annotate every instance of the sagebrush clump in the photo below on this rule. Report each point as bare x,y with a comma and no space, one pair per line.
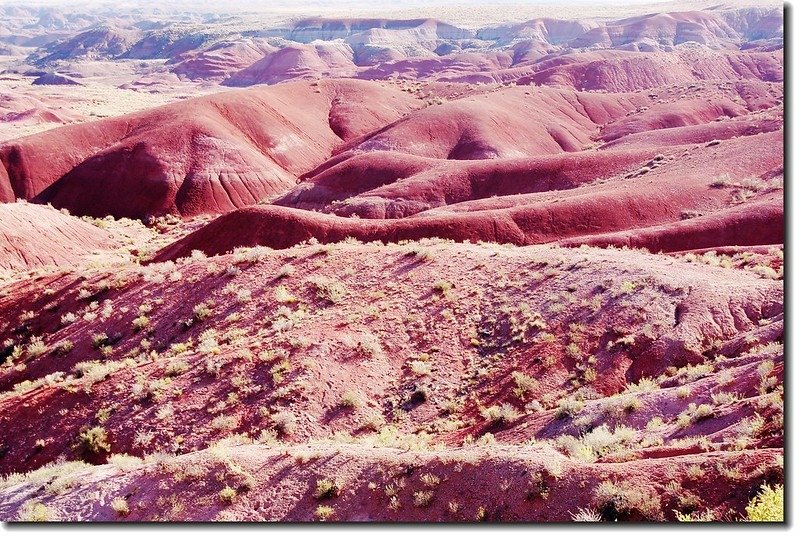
767,506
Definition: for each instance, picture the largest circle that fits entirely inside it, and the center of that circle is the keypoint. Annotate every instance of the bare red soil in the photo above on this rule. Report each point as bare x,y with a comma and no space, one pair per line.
630,71
419,271
701,184
33,236
221,60
296,61
212,154
20,110
499,309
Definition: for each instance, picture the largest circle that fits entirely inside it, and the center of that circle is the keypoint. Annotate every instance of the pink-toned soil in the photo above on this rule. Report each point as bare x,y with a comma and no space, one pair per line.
369,269
34,236
335,325
212,154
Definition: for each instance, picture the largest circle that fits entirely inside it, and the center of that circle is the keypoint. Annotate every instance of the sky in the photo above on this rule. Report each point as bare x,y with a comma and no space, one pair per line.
461,12
259,5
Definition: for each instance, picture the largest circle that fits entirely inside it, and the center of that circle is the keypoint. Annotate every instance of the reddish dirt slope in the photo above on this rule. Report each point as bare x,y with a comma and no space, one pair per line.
458,67
372,181
392,484
220,60
384,184
238,148
210,154
509,122
536,274
759,222
596,361
20,112
706,180
34,236
616,71
296,61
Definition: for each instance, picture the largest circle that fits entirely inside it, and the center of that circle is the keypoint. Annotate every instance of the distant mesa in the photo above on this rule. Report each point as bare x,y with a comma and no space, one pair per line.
220,60
297,61
101,42
56,79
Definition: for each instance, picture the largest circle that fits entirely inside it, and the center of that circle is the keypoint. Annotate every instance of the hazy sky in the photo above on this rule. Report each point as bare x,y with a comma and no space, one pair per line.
261,5
462,12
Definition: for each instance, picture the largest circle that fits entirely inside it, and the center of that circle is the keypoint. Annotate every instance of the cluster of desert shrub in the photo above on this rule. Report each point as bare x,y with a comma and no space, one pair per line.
212,344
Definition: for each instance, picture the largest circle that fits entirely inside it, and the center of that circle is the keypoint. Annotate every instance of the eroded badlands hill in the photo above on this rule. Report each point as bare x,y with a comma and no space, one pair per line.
633,384
506,164
210,154
420,270
33,236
